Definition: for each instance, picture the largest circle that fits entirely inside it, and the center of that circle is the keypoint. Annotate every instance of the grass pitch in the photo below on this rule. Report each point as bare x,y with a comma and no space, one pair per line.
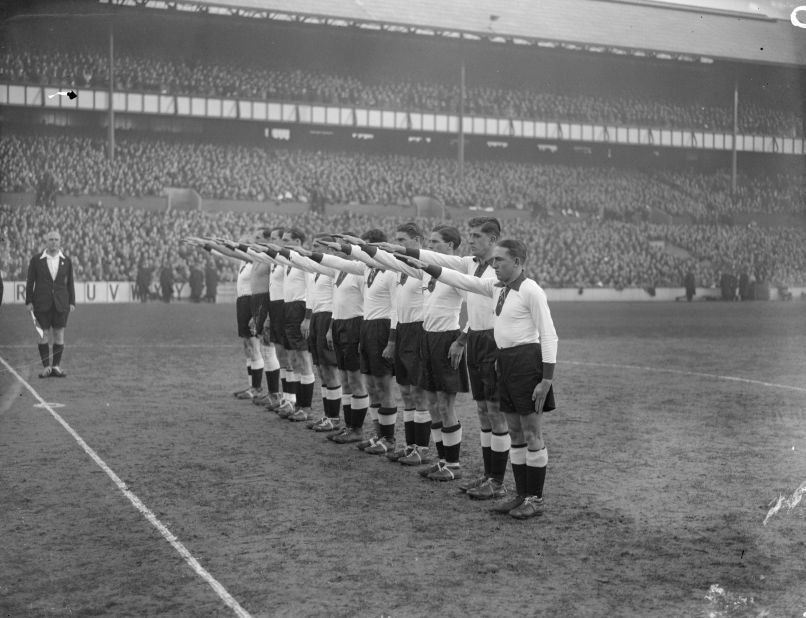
677,427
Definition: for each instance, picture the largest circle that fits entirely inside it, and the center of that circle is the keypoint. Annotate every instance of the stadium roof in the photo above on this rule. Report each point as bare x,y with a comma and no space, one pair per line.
635,27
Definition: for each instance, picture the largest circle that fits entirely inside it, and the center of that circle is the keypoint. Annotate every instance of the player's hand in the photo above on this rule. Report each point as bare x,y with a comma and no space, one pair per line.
329,339
412,261
329,244
389,247
305,327
252,328
353,240
540,393
29,307
389,351
72,308
455,353
302,251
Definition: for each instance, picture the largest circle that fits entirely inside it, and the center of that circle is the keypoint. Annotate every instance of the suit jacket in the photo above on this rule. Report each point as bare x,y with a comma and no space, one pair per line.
45,292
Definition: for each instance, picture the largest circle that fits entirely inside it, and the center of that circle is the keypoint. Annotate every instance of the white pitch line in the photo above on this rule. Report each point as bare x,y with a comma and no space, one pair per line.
23,346
138,504
689,373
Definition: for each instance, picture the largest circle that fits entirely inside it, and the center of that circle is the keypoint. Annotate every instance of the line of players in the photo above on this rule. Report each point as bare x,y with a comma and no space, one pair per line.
366,312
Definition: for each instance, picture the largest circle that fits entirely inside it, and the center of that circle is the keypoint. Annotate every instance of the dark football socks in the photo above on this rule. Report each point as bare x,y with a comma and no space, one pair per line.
360,406
486,452
536,462
452,441
44,354
387,417
499,453
273,381
422,428
436,435
517,455
58,348
408,425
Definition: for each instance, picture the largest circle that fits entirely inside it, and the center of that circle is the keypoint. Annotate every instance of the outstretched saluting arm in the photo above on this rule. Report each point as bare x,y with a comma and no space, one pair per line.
485,287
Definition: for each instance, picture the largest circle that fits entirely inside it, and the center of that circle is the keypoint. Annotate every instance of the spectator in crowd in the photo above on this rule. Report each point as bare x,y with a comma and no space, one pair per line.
690,284
196,281
142,281
210,280
167,281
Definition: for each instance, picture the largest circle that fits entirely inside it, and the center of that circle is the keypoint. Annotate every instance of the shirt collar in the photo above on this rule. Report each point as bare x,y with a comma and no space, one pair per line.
488,261
513,285
45,255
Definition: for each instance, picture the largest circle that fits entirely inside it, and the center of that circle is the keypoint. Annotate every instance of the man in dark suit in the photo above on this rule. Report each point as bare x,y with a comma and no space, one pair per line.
196,282
50,294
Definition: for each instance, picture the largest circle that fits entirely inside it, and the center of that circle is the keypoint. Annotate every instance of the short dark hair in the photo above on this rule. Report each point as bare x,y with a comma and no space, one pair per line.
411,228
488,225
515,248
374,235
280,230
296,233
449,234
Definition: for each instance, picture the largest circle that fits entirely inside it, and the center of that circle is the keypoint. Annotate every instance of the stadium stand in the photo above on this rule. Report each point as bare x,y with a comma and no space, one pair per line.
626,105
240,172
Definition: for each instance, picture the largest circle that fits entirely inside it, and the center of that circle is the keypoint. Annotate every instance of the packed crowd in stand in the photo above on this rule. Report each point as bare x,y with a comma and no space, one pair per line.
140,73
144,167
775,193
110,244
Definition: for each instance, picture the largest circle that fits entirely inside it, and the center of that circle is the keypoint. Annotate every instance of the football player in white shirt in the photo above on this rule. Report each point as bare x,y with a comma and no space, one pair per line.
343,336
444,370
408,342
243,306
295,290
315,326
479,343
527,355
377,339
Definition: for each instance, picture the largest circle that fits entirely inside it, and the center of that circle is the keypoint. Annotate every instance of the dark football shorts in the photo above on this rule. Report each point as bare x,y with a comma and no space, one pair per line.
346,335
520,368
317,339
276,322
481,355
408,365
437,374
243,312
260,309
374,337
293,314
52,318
